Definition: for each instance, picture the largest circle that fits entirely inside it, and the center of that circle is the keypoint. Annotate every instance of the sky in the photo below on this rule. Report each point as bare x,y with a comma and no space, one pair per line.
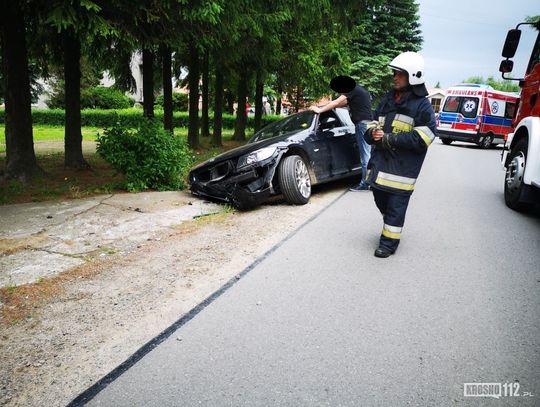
464,38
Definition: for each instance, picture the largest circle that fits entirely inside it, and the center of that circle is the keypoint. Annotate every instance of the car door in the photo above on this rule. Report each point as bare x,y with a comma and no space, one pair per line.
332,147
317,148
343,145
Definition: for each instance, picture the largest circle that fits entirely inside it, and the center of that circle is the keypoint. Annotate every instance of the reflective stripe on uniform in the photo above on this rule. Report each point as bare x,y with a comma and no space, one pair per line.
402,123
392,232
395,181
426,134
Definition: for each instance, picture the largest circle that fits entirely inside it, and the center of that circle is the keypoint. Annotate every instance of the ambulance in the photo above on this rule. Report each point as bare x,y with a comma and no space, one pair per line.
476,113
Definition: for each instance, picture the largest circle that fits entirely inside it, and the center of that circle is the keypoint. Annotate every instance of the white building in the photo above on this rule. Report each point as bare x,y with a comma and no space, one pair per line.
436,96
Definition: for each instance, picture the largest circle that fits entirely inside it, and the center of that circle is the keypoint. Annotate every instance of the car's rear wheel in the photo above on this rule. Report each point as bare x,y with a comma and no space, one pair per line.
294,180
446,141
515,171
486,141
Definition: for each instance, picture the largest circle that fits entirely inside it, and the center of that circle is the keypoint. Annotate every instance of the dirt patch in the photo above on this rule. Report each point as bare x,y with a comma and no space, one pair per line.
15,245
62,334
61,183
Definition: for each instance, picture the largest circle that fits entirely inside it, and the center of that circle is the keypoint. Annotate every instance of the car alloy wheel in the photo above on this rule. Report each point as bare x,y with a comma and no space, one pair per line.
294,180
302,178
486,141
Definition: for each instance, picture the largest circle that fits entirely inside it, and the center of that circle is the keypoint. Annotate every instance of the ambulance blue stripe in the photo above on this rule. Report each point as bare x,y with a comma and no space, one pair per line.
448,116
497,121
452,118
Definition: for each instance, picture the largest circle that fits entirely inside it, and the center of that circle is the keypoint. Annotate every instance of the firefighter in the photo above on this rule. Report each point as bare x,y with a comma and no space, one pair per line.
402,130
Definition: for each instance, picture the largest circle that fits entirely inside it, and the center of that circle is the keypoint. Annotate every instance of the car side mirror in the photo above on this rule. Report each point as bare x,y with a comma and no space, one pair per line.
328,123
511,43
506,66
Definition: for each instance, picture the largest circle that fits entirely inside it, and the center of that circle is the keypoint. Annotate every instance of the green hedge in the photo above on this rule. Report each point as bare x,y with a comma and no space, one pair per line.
124,117
101,97
180,102
96,97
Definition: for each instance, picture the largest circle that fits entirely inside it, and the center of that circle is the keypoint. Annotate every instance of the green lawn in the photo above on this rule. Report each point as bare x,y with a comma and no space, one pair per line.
52,133
56,133
62,183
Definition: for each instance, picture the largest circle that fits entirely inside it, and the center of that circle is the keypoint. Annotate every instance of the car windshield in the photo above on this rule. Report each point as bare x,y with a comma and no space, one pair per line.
297,122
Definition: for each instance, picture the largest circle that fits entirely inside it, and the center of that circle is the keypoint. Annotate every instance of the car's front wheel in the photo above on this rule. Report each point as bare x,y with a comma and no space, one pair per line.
294,180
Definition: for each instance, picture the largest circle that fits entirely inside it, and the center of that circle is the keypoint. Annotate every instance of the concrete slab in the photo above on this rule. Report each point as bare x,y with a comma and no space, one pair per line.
43,239
29,266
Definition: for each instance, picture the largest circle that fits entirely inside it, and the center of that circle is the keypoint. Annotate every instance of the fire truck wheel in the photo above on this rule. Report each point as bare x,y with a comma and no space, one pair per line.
513,184
446,141
486,141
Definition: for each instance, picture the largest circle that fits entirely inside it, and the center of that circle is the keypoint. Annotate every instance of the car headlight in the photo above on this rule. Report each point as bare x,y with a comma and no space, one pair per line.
256,156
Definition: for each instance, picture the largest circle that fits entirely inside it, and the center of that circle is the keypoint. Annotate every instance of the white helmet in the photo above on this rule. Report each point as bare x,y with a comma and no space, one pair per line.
412,63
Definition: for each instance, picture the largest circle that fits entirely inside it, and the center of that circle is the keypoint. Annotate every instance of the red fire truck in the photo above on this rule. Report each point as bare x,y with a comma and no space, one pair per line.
521,155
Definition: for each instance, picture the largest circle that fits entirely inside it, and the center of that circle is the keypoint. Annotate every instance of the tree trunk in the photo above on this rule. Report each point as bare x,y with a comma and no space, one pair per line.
148,83
298,101
218,109
259,89
166,71
21,161
278,106
241,114
193,128
205,123
278,102
230,102
73,155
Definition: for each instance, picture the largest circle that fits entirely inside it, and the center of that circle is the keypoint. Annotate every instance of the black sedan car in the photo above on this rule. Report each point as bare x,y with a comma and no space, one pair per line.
286,157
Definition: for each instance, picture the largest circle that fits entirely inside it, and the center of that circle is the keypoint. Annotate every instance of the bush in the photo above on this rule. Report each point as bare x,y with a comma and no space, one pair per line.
180,102
149,156
101,97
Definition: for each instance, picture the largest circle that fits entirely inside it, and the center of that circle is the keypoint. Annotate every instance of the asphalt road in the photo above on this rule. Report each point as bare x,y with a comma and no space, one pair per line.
320,321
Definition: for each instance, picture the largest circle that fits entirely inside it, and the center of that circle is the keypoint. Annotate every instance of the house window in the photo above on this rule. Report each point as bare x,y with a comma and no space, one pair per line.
436,103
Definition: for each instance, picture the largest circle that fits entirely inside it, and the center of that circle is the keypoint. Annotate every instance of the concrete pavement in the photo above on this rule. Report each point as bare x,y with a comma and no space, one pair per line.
43,239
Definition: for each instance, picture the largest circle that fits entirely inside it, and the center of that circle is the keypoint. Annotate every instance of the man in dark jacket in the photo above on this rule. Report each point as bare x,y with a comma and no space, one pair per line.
403,130
358,99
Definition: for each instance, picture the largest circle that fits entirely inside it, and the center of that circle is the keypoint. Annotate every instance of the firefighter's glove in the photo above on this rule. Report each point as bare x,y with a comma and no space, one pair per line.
388,142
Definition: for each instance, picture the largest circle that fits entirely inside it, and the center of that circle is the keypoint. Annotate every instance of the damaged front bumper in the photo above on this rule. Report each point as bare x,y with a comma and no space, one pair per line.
244,188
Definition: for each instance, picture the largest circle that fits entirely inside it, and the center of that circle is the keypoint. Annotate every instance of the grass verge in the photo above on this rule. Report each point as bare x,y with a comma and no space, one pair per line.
60,183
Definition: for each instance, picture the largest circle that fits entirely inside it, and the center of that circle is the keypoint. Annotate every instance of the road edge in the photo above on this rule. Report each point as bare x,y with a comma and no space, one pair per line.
91,392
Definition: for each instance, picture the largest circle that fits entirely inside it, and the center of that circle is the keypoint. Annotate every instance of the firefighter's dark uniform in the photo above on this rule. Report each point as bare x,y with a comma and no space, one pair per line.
409,126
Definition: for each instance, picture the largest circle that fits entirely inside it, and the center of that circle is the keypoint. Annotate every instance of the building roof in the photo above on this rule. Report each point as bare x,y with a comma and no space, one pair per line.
436,92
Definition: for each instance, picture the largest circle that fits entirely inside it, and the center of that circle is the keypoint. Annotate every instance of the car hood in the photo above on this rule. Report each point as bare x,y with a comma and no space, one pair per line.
282,140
